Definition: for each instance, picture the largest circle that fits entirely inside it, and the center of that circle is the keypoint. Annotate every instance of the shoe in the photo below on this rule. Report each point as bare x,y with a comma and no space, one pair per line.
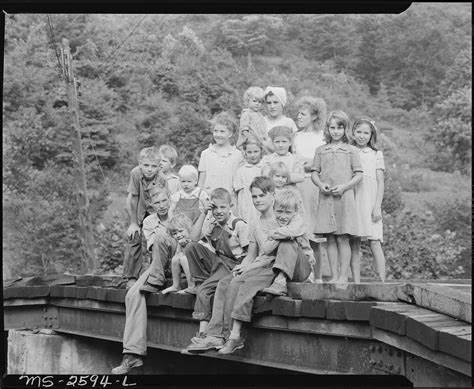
206,343
199,335
130,283
231,345
129,361
149,288
278,288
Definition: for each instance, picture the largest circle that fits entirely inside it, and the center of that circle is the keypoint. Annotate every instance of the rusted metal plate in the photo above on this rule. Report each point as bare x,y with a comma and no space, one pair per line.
387,358
415,348
423,373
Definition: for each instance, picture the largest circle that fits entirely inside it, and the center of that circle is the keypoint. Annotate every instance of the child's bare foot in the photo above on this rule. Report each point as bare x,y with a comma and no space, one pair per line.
342,280
172,288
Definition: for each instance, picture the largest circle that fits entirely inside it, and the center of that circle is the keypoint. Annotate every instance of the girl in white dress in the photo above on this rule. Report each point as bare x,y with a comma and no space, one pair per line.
368,196
310,120
253,150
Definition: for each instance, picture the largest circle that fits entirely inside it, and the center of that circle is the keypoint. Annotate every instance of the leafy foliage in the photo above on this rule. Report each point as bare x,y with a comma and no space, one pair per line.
162,83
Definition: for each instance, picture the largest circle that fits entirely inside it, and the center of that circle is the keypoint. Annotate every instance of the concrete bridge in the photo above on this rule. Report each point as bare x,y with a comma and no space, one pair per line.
418,330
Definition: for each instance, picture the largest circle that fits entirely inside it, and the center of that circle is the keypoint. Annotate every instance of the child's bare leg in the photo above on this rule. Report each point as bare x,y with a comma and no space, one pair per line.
379,258
185,265
344,256
175,272
203,326
355,259
317,268
333,254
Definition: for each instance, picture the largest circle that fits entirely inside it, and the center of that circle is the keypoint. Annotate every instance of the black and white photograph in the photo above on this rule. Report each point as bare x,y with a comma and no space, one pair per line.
235,199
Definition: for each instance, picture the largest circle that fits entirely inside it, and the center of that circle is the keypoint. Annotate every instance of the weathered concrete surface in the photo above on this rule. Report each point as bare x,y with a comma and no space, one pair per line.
449,301
347,292
52,353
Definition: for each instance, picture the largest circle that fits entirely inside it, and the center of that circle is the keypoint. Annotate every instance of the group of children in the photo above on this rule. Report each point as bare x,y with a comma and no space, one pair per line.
239,224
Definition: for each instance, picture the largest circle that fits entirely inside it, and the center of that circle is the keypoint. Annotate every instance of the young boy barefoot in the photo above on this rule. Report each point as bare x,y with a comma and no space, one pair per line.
179,228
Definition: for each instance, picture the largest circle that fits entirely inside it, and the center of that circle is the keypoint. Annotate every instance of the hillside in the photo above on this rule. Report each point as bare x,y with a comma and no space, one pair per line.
154,79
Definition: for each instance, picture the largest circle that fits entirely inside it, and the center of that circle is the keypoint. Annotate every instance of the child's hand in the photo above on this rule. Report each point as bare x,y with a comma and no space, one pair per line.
312,260
132,230
376,214
337,190
209,206
325,188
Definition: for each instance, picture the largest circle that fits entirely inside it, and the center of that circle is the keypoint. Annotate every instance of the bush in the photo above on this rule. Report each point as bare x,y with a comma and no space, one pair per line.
392,199
415,250
111,242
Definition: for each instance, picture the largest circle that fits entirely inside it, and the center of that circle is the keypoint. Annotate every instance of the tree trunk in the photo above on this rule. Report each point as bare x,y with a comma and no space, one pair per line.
249,60
85,221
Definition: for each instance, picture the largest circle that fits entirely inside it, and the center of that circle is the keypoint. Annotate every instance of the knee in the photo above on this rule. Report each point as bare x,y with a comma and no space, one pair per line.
190,248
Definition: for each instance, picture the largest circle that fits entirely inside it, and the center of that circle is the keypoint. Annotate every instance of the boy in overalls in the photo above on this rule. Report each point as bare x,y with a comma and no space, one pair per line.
189,200
226,245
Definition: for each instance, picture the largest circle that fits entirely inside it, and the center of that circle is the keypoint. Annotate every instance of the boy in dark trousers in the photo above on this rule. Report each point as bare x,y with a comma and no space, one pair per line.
145,180
226,245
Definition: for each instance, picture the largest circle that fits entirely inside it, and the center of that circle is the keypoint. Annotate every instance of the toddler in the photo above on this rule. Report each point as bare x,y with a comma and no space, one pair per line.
336,170
179,227
220,161
168,160
252,122
368,196
252,149
190,199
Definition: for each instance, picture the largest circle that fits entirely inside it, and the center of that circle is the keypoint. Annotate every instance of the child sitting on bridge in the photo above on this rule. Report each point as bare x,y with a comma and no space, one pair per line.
227,242
274,249
179,227
163,249
144,178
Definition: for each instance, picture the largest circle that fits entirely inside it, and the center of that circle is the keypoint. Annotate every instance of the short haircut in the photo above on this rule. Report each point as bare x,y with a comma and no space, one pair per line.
341,118
157,190
169,152
179,220
188,171
280,167
253,92
227,119
221,194
373,131
286,199
283,131
316,106
152,153
265,184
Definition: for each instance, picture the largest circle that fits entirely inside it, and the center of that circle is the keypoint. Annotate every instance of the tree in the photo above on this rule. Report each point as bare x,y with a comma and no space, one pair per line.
254,34
452,133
